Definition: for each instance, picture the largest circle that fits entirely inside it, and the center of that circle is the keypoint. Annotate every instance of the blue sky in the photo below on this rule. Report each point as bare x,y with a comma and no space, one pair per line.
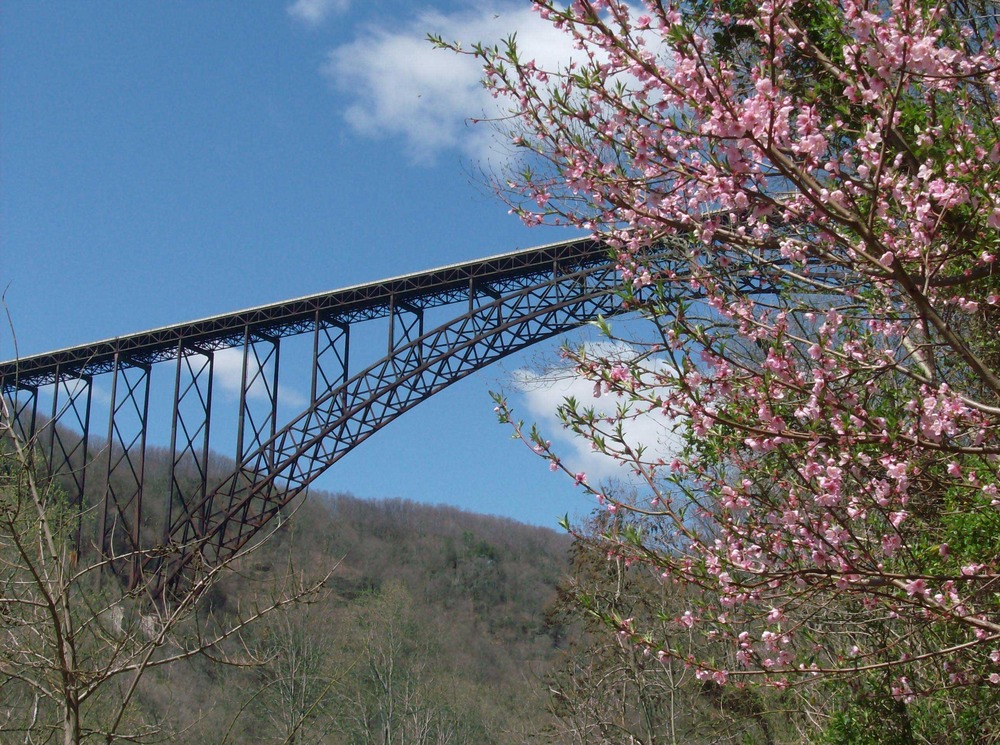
162,162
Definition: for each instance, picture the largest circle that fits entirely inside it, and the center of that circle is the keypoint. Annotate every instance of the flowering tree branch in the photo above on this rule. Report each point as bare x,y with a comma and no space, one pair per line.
833,167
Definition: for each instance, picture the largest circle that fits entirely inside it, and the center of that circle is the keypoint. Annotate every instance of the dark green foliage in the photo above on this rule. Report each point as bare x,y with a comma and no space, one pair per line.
868,721
865,713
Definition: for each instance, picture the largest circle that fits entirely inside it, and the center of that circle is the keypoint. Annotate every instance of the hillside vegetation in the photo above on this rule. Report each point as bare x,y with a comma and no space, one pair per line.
432,625
432,629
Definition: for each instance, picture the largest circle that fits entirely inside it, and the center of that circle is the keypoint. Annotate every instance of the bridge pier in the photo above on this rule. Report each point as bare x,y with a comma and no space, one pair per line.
190,428
121,510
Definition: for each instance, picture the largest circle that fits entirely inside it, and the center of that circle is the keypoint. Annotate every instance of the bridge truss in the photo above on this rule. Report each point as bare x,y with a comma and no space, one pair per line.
492,308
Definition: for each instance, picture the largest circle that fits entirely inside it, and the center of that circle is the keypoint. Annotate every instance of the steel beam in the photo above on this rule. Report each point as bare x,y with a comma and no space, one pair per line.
189,439
427,289
24,413
120,525
68,440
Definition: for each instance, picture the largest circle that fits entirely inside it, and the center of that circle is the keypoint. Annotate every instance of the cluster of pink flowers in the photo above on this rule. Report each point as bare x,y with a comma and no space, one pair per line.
825,241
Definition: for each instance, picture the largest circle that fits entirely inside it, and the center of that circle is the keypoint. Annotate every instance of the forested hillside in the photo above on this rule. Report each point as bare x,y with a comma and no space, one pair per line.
429,625
432,629
442,626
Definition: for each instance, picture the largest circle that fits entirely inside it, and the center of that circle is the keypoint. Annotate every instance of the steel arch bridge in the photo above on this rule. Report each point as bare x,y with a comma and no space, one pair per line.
493,307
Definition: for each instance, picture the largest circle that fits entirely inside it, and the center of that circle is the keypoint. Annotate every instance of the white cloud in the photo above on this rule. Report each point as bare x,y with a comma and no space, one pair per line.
228,373
314,12
402,87
542,393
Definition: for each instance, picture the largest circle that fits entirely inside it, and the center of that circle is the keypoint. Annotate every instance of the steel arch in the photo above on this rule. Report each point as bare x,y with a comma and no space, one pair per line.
503,304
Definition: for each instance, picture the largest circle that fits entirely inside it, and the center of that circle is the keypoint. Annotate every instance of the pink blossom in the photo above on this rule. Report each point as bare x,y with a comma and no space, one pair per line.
620,373
816,432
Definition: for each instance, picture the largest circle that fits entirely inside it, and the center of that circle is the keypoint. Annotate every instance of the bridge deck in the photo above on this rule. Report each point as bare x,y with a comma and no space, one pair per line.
295,316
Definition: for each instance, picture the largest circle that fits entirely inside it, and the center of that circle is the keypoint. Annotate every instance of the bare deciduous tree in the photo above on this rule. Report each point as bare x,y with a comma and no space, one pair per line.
77,643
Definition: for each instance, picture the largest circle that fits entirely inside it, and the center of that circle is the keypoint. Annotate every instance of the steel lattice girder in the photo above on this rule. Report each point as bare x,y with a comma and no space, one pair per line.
121,513
349,305
346,415
67,449
503,304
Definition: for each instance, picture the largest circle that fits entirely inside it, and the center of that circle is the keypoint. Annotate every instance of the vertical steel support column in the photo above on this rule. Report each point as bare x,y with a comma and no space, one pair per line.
67,456
406,325
409,321
68,450
257,424
331,344
22,409
241,421
189,440
50,450
121,514
478,290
